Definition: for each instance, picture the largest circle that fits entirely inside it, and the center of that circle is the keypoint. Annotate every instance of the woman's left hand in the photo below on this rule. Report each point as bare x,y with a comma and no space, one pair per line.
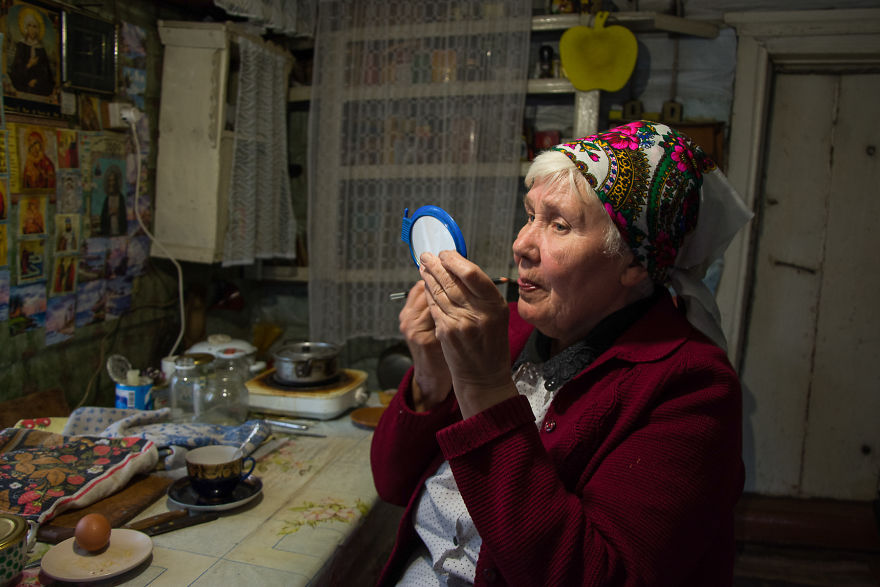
470,317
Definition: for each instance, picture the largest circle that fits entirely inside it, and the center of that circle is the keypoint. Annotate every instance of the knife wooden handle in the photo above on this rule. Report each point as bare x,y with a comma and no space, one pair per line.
157,519
179,523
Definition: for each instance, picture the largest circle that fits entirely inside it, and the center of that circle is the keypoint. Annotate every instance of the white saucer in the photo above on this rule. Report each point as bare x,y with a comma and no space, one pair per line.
126,550
182,494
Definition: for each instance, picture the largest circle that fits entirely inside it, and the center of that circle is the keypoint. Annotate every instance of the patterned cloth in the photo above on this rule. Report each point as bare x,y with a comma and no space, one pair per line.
155,425
671,203
43,473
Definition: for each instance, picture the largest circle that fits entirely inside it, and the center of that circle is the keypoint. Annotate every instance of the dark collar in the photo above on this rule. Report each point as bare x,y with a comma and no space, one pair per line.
562,367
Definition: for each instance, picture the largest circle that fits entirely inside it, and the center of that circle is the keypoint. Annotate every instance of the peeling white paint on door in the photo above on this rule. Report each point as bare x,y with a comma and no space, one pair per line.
811,405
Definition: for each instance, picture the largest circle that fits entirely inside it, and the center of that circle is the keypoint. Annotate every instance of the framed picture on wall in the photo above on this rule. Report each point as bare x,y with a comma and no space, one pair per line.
31,57
90,46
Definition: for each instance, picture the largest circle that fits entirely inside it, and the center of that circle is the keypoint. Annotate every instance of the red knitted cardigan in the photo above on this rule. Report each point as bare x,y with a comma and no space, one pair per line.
631,479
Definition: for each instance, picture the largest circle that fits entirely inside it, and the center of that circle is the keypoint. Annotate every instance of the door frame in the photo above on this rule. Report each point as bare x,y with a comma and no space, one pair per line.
805,40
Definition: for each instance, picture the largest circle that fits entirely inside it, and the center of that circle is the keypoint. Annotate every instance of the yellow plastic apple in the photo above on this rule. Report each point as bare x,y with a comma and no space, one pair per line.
598,57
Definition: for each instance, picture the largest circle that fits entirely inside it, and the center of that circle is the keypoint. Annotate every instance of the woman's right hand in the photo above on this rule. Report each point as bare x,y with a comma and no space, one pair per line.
432,381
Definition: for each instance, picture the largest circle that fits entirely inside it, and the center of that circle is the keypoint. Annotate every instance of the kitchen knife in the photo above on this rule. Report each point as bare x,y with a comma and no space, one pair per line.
179,522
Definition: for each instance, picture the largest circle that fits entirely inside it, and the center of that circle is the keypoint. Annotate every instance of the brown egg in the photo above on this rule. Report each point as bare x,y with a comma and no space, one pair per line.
92,532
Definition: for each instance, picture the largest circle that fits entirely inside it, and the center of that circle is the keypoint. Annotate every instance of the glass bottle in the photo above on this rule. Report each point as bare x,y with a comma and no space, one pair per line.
186,384
225,401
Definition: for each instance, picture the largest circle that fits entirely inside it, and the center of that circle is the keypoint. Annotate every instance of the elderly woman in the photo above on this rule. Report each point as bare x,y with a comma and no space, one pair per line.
590,435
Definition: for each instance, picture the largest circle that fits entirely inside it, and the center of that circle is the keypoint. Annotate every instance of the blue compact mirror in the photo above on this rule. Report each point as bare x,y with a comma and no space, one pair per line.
430,230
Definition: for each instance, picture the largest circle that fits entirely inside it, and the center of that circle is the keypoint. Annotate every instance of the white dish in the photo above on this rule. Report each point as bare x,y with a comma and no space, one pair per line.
67,562
182,494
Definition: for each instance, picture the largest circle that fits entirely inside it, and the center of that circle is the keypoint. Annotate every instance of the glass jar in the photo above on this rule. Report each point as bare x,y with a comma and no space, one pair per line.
186,383
225,401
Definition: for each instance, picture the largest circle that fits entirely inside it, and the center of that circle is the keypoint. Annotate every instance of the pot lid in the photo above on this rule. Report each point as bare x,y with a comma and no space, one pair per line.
307,350
198,359
12,530
218,344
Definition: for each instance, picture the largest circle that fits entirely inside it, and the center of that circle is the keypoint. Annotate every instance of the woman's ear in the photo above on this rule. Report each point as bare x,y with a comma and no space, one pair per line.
633,274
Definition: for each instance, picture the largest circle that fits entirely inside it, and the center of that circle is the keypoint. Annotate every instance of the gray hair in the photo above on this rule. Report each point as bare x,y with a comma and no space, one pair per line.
554,168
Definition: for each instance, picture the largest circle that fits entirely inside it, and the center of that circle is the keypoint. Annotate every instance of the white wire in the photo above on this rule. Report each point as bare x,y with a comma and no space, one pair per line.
137,213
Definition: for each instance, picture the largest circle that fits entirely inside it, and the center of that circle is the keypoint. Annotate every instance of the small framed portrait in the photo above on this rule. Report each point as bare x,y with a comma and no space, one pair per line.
32,215
108,206
64,276
69,191
4,199
89,107
31,260
67,233
4,246
38,153
89,53
32,58
68,154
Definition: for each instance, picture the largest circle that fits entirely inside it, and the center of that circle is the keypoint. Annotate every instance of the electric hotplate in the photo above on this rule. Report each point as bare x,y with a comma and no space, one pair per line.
322,402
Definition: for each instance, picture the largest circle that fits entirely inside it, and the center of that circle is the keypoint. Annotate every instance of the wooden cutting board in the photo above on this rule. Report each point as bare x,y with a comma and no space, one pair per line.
118,508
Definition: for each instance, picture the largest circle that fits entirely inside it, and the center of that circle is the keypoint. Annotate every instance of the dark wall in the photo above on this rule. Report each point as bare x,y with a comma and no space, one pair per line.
145,333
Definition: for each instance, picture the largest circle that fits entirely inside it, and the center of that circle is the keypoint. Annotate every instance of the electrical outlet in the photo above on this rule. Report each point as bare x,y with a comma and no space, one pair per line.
120,114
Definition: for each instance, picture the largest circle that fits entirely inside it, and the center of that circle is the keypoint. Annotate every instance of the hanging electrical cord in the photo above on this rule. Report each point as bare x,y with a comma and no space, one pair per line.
130,115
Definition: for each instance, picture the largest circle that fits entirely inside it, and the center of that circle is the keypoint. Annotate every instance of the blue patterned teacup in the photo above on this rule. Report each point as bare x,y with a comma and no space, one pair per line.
214,471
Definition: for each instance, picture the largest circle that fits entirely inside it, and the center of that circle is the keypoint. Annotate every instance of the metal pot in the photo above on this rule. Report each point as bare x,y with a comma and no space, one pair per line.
306,363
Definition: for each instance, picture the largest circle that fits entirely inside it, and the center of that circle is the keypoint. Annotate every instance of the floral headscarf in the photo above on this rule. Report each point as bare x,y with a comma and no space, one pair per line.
671,203
648,176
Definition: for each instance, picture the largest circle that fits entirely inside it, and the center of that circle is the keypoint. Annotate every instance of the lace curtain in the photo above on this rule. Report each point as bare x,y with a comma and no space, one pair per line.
288,17
414,103
259,191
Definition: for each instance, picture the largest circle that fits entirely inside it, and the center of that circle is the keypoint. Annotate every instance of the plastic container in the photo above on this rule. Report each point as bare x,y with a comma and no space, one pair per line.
137,397
135,393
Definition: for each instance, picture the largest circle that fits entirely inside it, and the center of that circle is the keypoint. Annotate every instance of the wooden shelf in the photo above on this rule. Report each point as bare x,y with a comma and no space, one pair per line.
637,22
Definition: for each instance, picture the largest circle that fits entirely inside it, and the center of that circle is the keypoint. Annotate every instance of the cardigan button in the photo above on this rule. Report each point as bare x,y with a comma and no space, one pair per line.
490,574
549,425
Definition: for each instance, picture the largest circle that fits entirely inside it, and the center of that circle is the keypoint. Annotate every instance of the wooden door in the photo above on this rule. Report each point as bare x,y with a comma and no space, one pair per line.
812,392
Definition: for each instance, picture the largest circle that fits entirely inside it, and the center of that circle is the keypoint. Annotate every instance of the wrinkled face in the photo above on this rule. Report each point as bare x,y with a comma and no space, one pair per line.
567,282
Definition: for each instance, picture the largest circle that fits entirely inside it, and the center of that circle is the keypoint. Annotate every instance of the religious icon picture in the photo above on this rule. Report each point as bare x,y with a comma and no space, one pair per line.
68,156
108,206
67,233
4,246
69,191
38,153
64,275
32,215
4,199
4,162
89,107
31,260
32,58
